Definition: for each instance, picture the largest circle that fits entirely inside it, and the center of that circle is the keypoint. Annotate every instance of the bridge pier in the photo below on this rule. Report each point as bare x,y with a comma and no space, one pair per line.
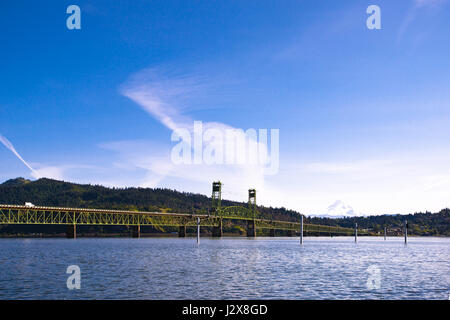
71,231
272,233
182,232
251,228
136,233
217,232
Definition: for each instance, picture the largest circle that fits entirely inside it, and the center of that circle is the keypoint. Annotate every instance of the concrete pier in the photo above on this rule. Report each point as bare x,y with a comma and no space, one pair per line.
182,232
217,232
71,232
251,229
136,232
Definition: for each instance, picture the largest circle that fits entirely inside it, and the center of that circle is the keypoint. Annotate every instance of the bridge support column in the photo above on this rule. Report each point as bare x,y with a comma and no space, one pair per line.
251,228
218,231
182,232
71,232
136,233
272,233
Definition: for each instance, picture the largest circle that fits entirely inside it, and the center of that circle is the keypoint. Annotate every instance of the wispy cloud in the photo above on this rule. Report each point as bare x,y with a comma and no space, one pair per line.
414,11
166,98
54,172
10,146
163,94
345,167
428,3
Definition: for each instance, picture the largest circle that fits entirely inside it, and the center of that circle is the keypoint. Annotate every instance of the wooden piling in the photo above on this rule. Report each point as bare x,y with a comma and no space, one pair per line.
198,230
406,231
301,230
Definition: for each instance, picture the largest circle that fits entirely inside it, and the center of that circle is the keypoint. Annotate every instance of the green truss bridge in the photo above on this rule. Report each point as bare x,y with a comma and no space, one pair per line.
215,220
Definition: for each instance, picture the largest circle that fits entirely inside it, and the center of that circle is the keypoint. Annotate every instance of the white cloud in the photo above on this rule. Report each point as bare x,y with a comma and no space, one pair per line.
340,209
52,172
345,167
405,182
37,170
164,98
10,146
391,183
160,94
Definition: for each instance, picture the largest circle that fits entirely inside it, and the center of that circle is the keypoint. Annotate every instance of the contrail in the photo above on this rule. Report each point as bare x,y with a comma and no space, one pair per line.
9,145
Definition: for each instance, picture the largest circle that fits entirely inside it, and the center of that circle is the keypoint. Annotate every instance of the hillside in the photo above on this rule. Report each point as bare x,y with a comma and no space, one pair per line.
48,192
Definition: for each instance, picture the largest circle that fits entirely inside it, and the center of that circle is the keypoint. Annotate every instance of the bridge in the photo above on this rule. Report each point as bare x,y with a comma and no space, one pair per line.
215,219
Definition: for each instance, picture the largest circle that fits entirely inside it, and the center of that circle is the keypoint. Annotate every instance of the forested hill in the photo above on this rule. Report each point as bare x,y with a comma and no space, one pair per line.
47,192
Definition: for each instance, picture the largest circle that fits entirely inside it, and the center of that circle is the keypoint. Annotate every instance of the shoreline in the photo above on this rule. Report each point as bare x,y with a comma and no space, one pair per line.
207,235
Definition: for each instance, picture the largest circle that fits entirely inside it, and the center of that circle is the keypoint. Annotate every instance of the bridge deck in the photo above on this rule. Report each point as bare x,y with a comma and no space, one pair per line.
88,210
20,214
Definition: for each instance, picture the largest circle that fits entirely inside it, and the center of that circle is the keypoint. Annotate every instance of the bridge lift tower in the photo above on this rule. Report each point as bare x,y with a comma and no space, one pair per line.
216,204
216,195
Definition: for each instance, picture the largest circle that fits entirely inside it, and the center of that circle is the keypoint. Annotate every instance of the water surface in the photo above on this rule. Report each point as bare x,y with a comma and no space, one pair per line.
227,268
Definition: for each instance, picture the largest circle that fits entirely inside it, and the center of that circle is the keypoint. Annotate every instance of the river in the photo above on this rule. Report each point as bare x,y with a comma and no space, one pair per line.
227,268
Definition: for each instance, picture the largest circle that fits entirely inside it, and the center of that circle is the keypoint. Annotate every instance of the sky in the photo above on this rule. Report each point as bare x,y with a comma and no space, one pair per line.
362,115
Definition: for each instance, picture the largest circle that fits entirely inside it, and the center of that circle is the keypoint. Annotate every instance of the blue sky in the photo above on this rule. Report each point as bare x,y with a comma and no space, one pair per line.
363,115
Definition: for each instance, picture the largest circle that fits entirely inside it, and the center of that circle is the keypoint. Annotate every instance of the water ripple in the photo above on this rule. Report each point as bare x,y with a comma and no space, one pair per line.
169,268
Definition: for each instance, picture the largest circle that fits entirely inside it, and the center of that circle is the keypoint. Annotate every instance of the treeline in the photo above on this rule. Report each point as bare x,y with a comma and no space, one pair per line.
420,224
48,192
